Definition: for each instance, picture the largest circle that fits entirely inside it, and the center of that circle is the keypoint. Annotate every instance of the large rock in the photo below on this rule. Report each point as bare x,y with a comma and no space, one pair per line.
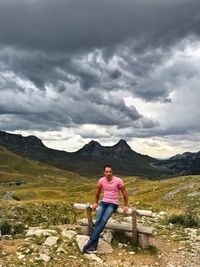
107,236
103,246
69,234
40,232
51,241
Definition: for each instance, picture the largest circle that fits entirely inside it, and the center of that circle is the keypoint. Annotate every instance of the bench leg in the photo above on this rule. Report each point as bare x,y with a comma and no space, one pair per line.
143,240
134,228
89,217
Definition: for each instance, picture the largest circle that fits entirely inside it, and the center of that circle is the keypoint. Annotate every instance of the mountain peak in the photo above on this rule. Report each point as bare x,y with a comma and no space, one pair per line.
93,148
93,143
122,146
122,142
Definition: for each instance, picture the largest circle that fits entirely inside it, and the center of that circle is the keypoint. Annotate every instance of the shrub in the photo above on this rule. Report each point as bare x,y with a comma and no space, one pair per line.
5,228
18,228
176,219
192,220
15,197
187,220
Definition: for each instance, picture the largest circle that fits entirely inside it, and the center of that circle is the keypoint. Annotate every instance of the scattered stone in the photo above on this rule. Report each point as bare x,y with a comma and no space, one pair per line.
69,234
194,194
103,246
61,250
131,252
73,257
21,256
93,257
120,245
44,257
162,213
27,251
107,236
40,232
127,264
51,241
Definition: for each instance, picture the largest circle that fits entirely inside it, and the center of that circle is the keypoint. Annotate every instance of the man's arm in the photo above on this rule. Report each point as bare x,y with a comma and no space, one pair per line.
125,195
98,192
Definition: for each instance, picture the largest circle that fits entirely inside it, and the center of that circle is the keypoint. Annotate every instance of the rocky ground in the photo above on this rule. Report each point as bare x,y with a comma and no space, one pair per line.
59,246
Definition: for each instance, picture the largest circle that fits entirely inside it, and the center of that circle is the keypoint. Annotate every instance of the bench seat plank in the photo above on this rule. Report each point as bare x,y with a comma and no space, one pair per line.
122,226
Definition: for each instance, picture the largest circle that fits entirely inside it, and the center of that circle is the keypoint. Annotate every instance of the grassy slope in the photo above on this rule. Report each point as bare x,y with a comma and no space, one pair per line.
47,183
170,194
46,196
41,181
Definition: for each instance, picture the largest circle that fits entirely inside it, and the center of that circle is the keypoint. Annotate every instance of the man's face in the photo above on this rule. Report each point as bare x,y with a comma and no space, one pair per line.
108,172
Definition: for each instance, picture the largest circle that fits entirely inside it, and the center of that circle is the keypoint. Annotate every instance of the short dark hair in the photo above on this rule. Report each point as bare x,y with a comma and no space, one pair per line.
107,166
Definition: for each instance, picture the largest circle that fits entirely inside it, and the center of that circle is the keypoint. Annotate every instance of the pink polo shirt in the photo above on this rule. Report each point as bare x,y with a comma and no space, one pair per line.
111,189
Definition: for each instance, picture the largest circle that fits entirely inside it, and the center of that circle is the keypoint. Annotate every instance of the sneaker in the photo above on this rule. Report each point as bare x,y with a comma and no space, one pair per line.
86,245
92,248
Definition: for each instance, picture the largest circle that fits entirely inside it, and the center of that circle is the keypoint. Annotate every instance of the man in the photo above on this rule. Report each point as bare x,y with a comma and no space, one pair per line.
111,186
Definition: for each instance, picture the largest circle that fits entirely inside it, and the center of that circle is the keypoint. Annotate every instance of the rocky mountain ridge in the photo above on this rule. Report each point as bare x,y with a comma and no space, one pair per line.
185,164
87,161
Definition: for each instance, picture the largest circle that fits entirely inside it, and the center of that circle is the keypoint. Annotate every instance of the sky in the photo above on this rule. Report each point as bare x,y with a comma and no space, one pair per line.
72,71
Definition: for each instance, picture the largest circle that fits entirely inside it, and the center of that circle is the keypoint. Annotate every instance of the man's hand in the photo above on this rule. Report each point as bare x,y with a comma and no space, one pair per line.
94,206
125,209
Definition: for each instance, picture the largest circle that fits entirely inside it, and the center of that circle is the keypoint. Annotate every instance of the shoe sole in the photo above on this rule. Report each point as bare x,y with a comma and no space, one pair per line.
91,252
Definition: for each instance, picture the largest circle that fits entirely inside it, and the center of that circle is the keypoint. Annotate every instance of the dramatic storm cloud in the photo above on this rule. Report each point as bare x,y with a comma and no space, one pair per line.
76,70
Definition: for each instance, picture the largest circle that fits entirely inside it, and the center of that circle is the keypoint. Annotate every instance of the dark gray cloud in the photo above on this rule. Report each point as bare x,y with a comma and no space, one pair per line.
73,62
51,110
70,25
47,38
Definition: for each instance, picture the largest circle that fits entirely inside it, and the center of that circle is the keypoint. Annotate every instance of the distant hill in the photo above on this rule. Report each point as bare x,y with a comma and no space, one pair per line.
14,168
89,160
185,164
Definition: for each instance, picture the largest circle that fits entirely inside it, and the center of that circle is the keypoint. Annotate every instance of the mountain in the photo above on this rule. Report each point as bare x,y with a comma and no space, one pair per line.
19,140
118,151
185,164
87,161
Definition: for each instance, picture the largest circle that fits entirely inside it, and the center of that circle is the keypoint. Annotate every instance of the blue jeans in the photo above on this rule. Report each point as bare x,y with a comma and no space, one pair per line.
104,213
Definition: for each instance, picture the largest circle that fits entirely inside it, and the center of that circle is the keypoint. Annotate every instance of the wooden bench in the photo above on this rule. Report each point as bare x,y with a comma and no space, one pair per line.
140,233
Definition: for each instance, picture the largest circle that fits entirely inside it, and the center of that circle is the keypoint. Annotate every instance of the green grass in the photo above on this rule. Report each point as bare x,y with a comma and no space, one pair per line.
35,186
